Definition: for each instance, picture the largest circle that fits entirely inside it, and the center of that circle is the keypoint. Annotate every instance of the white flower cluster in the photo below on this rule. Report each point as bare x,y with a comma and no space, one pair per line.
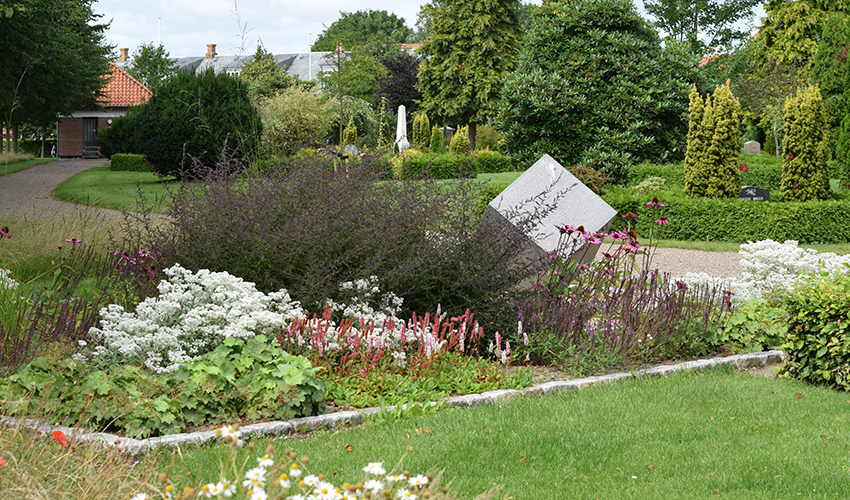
191,317
772,268
6,279
195,312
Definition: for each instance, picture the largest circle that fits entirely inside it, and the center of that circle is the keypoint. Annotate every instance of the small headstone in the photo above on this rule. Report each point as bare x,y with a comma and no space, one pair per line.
545,195
350,150
752,148
754,193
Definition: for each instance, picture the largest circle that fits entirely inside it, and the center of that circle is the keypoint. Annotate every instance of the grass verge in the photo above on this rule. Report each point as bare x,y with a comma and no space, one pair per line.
687,435
725,246
101,187
8,168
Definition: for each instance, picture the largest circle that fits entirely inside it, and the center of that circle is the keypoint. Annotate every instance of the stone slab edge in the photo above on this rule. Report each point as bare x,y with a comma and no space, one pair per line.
307,425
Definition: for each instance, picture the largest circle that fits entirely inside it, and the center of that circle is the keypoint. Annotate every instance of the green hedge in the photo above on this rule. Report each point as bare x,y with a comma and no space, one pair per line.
129,163
494,163
452,166
766,176
735,220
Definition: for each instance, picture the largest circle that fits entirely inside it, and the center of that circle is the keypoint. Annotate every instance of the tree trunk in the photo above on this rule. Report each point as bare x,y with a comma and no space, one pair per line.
14,139
472,131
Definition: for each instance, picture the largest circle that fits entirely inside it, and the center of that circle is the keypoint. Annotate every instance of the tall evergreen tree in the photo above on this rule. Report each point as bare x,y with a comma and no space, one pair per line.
805,175
828,73
696,141
471,46
842,149
711,163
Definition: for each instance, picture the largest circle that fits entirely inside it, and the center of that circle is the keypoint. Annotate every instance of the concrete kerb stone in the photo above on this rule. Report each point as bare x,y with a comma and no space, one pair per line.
307,425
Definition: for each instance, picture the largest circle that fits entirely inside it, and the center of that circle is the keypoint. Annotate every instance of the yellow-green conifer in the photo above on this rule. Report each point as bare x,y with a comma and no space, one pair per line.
459,144
724,179
421,130
805,174
696,144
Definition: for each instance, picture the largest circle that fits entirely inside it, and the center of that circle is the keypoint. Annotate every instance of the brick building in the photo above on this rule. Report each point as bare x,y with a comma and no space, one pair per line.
76,135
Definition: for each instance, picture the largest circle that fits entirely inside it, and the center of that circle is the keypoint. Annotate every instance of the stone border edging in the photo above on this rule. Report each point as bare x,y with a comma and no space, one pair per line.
306,425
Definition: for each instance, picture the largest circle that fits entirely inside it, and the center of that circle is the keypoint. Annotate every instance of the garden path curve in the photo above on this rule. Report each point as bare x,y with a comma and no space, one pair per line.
28,193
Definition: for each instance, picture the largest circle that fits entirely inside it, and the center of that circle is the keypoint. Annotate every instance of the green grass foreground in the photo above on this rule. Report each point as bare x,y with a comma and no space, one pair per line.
102,187
8,168
688,435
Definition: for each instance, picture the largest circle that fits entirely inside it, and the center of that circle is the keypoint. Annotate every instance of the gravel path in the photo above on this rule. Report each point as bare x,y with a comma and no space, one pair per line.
28,193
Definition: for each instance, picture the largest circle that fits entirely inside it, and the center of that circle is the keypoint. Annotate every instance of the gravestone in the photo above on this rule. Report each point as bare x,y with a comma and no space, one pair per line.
546,195
752,148
754,193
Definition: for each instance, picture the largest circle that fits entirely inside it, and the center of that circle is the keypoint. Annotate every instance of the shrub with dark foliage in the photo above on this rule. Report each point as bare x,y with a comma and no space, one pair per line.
307,229
192,115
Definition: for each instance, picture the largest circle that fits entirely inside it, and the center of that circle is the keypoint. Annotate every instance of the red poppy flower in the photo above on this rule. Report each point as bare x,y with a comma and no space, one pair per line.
2,462
60,438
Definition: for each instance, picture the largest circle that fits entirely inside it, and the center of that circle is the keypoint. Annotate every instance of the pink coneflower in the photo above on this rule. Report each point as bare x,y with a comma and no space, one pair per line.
631,216
73,241
654,202
661,221
4,233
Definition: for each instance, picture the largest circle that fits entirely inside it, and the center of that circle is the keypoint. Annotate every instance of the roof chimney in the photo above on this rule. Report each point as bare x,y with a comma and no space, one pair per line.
210,51
123,57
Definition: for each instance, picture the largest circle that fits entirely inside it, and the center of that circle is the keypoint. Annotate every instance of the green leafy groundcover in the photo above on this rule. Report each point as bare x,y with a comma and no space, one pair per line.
239,380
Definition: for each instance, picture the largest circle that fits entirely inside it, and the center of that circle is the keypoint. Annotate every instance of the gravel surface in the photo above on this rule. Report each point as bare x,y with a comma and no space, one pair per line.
28,193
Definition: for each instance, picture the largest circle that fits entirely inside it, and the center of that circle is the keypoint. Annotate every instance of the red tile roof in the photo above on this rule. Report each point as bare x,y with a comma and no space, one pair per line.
124,90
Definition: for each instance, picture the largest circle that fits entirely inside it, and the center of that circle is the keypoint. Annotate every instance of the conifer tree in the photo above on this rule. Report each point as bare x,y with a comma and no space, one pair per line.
828,73
711,162
696,144
805,175
421,130
459,144
724,178
349,135
842,149
438,145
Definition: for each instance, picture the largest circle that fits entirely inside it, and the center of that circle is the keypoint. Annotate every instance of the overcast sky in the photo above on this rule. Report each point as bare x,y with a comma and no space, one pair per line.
185,27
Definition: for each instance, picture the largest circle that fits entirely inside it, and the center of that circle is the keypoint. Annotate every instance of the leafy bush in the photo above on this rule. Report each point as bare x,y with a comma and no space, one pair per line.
590,177
293,119
651,185
487,137
739,220
571,89
120,137
443,166
402,164
818,343
193,115
239,379
366,121
673,174
129,163
491,162
756,323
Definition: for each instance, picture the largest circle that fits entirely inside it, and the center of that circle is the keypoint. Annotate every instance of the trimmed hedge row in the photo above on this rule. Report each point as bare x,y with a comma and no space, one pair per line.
451,166
764,176
735,220
129,163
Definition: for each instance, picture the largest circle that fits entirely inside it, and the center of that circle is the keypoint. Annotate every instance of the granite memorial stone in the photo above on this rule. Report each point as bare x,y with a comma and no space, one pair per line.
754,193
752,148
544,196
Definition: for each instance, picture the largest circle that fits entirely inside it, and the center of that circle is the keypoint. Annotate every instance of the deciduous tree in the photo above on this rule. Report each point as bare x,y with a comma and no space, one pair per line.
707,25
54,60
151,65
